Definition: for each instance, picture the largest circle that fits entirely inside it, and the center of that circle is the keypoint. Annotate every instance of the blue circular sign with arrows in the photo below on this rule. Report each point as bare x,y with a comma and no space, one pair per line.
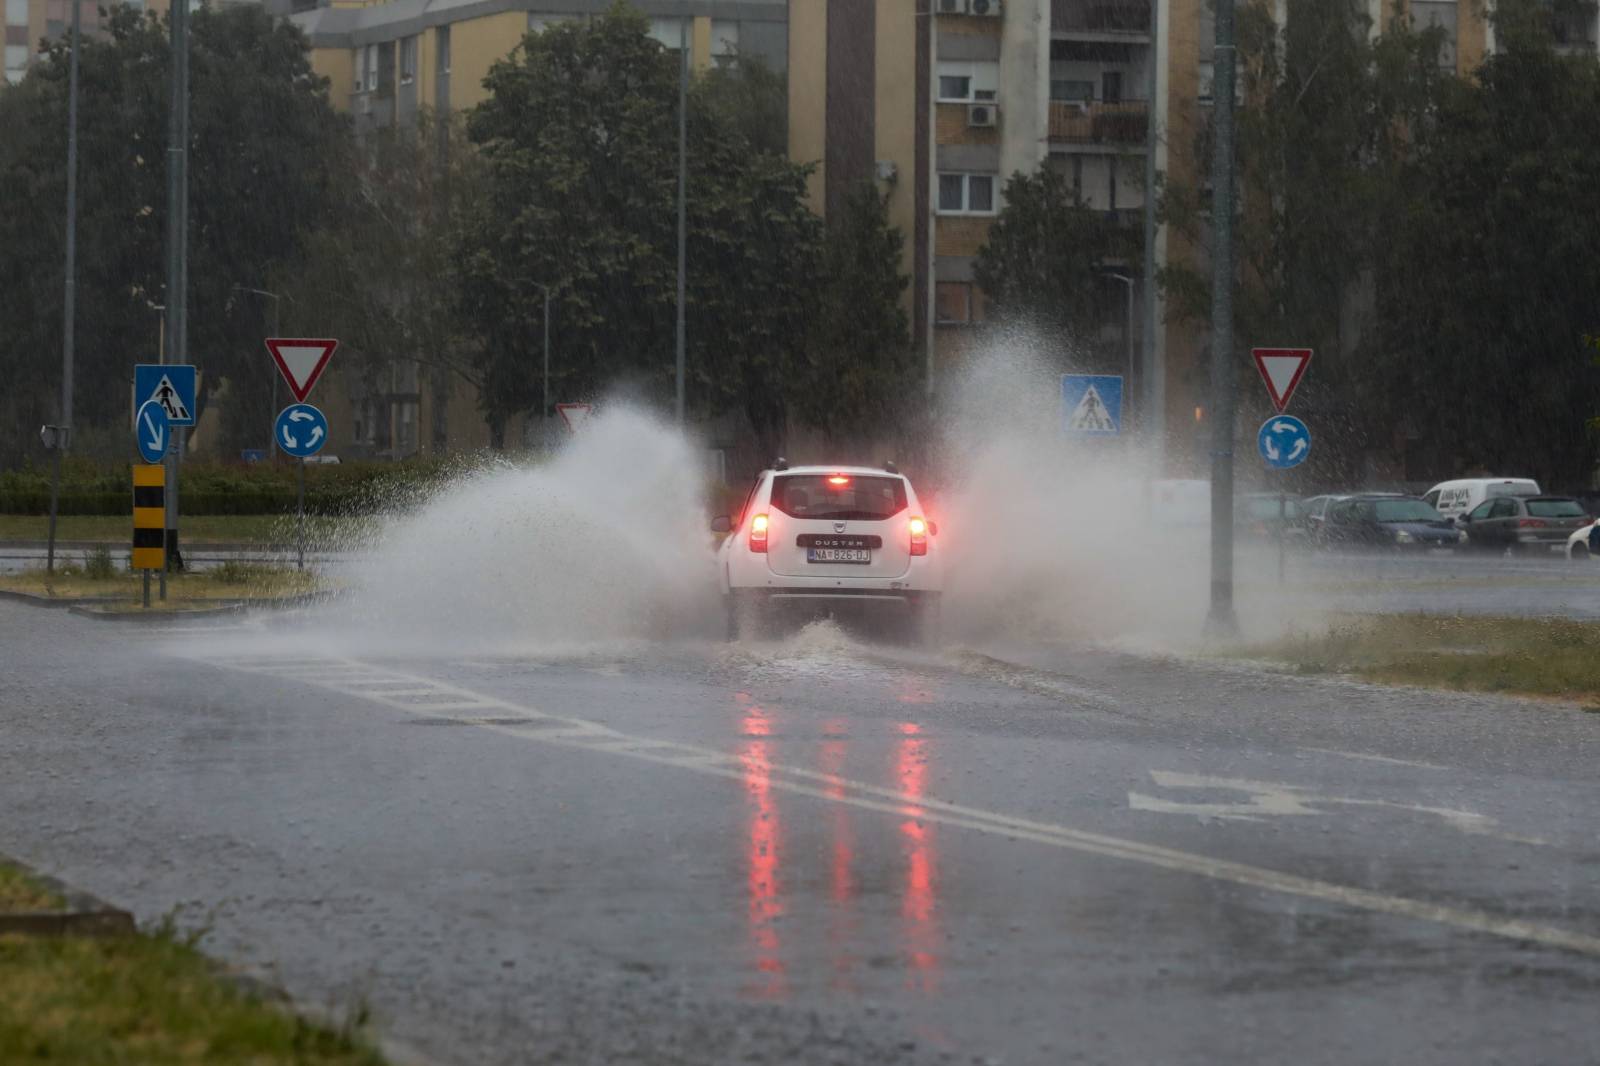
152,429
1283,441
301,430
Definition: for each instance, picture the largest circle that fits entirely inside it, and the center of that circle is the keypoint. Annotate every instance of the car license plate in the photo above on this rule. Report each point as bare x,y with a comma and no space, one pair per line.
838,555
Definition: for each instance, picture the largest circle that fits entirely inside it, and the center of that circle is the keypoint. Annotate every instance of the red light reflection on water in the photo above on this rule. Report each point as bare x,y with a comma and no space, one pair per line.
765,903
841,875
917,908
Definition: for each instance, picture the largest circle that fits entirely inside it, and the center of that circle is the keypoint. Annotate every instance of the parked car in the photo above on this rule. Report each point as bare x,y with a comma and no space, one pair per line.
1454,499
1388,521
1584,543
1525,523
1314,511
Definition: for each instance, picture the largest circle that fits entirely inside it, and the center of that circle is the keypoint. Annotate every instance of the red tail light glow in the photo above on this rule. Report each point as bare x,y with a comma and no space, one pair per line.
919,537
839,480
1531,523
758,533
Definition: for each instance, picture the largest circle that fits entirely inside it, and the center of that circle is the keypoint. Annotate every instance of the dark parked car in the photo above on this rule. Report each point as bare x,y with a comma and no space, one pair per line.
1314,511
1387,521
1529,523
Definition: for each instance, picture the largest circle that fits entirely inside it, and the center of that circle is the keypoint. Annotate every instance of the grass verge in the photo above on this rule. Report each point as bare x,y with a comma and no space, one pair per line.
227,582
20,892
1551,657
196,531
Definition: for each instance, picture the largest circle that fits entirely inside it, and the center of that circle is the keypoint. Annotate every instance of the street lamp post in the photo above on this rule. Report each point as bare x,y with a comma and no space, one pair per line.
62,437
544,411
276,304
1127,329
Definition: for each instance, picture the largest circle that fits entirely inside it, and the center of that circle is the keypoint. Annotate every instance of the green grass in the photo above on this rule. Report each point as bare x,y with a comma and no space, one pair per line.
196,530
147,999
1548,657
20,892
229,581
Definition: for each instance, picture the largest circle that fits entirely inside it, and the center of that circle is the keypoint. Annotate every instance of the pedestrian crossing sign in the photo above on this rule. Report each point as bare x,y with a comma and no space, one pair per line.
169,384
1091,404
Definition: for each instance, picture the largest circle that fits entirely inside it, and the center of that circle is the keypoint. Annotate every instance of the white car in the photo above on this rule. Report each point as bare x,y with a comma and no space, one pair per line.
828,536
1578,545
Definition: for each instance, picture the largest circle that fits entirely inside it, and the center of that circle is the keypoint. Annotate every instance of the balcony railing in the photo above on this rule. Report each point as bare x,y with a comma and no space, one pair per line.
1124,122
1131,17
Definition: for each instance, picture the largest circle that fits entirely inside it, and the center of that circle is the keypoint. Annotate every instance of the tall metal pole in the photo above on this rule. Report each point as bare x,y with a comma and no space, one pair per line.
1154,413
544,412
683,191
177,245
63,434
1221,620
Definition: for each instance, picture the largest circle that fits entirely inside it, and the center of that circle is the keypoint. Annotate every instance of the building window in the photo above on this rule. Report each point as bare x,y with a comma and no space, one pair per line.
961,83
369,67
966,194
958,303
669,33
724,42
442,35
1111,86
16,12
1069,91
408,60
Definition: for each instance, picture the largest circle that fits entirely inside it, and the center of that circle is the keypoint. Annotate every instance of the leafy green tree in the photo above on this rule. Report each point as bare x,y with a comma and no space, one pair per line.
1044,262
579,139
1487,303
263,158
858,361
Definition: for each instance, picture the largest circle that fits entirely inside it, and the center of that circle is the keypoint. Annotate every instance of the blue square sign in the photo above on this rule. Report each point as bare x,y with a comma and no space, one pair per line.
1091,404
171,385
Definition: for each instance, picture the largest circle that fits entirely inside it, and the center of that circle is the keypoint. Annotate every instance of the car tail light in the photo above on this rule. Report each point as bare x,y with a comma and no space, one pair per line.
838,481
1531,523
919,537
758,533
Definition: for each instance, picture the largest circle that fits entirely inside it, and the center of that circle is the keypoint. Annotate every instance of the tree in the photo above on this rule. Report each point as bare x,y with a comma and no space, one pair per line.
379,279
265,142
857,364
579,138
1044,262
1487,307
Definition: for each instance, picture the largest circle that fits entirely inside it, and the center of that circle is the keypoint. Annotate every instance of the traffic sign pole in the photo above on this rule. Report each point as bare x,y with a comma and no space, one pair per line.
300,519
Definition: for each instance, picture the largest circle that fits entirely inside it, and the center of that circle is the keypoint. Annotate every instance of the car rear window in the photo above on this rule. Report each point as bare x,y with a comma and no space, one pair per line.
1262,507
1556,509
1405,511
839,496
1522,488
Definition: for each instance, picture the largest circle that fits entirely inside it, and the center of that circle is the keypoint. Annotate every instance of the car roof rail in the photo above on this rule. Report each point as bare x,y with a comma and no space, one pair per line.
780,463
889,467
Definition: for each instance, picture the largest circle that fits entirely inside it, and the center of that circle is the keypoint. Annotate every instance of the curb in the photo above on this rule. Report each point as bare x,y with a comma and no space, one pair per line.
91,606
85,915
51,601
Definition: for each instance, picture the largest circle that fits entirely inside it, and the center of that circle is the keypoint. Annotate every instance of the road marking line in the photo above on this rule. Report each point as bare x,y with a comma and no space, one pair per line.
1377,758
581,733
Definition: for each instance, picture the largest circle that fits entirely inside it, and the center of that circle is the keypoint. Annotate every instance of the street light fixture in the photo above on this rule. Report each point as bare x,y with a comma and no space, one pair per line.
276,299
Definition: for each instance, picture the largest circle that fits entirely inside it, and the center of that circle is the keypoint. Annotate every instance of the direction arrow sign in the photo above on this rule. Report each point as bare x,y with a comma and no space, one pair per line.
172,385
301,360
573,414
1281,369
1092,404
1283,441
301,430
151,429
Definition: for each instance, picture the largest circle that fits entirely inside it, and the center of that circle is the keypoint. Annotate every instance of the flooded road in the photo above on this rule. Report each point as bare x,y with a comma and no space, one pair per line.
822,849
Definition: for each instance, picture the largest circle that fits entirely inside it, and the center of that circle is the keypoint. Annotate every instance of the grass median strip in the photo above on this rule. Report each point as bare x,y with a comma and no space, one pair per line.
98,576
141,998
1551,657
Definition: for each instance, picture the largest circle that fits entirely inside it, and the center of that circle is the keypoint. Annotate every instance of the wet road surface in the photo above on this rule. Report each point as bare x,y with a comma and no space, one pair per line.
819,850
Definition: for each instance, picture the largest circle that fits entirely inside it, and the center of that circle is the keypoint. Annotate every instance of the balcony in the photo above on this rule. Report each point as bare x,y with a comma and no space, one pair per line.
1120,123
1106,20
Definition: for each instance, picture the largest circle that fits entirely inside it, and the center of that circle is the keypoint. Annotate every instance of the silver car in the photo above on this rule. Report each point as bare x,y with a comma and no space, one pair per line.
1524,522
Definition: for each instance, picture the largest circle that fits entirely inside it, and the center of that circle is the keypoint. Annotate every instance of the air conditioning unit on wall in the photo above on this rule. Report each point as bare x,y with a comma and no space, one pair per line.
984,8
982,116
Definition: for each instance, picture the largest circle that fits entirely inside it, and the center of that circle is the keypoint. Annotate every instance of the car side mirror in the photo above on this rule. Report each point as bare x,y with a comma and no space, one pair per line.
722,524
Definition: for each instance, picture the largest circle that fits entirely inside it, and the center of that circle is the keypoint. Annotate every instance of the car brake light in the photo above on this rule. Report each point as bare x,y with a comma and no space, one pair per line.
839,480
758,533
1530,523
919,537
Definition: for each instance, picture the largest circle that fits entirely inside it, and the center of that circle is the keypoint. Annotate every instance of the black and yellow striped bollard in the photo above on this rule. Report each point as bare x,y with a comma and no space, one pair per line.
149,521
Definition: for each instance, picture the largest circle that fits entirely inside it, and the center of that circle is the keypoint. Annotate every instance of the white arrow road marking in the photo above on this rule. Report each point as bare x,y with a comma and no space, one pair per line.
1274,798
831,788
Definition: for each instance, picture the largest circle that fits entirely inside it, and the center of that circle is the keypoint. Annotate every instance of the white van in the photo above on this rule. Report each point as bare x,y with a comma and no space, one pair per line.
1455,498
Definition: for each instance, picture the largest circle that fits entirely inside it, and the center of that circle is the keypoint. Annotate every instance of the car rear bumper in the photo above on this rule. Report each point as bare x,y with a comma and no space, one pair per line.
1549,540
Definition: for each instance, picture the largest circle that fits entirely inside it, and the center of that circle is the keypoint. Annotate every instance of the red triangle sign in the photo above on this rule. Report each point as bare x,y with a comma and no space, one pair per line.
301,361
1281,369
573,414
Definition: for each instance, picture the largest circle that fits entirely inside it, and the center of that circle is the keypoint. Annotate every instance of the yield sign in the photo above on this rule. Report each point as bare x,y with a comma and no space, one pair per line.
573,414
1281,369
301,361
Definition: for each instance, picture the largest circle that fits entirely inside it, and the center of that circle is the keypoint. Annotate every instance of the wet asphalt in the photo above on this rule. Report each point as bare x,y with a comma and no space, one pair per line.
822,849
